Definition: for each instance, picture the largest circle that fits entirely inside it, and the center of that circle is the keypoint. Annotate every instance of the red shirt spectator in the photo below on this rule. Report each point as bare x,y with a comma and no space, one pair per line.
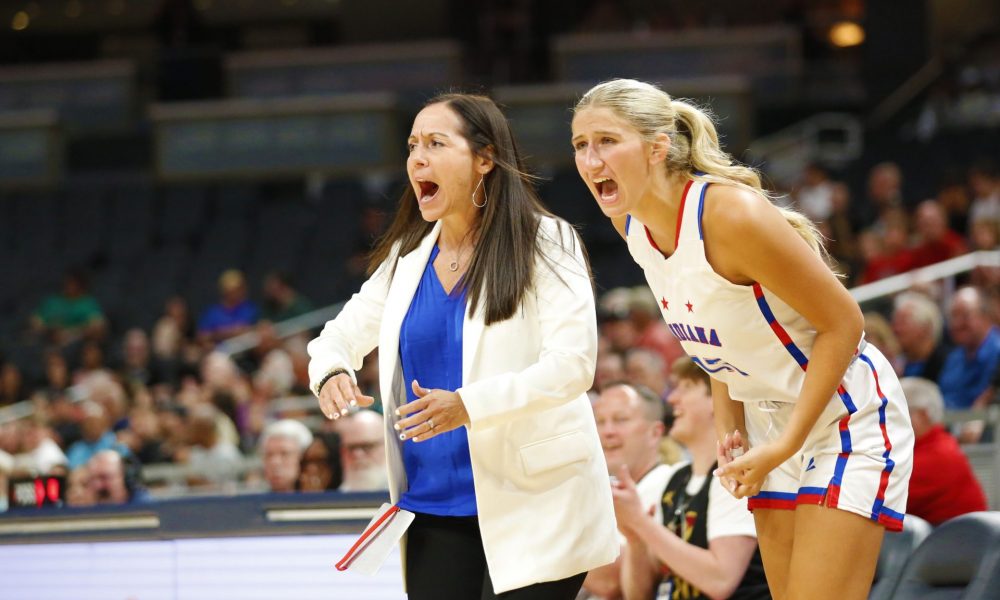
937,241
942,485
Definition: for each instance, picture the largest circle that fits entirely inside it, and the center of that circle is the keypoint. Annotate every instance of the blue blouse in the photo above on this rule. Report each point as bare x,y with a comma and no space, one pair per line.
438,470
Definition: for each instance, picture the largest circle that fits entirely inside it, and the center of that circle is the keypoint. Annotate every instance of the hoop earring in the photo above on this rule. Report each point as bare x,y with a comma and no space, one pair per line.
485,197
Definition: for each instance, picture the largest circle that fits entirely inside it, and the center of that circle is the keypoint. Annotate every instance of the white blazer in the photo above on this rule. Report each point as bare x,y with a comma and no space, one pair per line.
542,489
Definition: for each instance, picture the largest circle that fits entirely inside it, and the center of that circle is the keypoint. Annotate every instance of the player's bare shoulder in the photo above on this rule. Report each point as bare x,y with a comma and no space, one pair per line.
731,212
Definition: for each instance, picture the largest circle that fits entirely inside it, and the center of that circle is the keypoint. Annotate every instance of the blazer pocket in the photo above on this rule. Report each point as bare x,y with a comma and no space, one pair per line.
554,452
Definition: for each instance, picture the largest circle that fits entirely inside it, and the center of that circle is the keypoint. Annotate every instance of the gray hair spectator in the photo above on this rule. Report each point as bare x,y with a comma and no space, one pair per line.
918,325
969,367
109,481
282,444
96,435
943,484
362,452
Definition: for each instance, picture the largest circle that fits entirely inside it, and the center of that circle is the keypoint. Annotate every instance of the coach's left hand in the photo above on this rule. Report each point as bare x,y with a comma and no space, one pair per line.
433,412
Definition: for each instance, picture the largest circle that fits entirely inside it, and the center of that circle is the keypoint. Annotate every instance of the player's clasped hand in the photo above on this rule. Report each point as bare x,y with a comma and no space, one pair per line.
731,447
340,394
433,412
749,471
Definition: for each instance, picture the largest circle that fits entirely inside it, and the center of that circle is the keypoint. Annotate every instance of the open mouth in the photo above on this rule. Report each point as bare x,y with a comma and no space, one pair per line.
428,190
607,189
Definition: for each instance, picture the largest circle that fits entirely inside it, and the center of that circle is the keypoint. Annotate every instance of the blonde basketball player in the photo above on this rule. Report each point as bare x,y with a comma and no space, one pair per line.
743,285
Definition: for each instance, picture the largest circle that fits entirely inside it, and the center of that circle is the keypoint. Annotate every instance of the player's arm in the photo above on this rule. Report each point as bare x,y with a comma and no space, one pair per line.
749,240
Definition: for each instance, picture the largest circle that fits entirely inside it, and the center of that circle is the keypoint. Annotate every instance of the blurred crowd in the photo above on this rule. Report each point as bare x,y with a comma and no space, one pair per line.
162,412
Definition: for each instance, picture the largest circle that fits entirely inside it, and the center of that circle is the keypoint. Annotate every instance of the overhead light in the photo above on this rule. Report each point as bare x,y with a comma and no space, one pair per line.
203,4
845,34
20,21
116,7
74,8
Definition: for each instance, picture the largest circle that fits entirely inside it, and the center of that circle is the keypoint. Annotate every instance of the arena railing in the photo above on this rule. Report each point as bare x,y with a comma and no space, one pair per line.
865,293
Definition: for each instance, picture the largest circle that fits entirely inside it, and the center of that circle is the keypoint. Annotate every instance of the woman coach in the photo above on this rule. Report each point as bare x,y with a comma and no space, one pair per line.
481,305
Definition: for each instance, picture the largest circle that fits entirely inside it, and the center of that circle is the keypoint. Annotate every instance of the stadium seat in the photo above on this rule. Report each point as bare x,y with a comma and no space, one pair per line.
960,559
896,550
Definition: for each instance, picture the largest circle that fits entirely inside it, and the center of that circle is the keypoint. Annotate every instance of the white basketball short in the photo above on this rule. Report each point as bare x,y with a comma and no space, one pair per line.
859,454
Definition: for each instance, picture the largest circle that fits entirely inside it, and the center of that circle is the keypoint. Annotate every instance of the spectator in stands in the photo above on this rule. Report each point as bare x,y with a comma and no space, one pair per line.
984,181
96,435
233,314
219,373
71,315
814,197
78,492
144,436
281,300
839,233
56,374
281,446
172,419
631,427
273,369
703,538
645,367
616,325
211,458
918,325
12,388
878,332
943,484
885,195
610,368
321,468
6,468
39,453
139,367
935,241
953,196
362,452
114,479
886,252
970,365
91,361
64,418
173,331
104,389
986,236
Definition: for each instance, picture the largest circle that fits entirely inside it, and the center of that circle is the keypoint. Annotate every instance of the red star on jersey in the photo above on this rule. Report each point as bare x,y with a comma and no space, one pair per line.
690,306
666,305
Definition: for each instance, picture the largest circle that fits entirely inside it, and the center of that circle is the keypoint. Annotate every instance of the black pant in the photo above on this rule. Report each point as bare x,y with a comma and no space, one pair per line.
445,561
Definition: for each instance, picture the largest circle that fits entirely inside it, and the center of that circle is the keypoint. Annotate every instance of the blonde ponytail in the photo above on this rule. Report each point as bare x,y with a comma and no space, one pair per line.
694,142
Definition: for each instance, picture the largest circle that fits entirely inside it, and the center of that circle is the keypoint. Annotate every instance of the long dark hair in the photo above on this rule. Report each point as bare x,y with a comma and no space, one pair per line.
502,264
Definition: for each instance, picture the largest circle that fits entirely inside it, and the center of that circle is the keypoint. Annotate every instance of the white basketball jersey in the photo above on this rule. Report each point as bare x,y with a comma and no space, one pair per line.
744,336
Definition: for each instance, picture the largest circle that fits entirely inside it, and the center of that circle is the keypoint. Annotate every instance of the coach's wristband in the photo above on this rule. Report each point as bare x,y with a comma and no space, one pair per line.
328,377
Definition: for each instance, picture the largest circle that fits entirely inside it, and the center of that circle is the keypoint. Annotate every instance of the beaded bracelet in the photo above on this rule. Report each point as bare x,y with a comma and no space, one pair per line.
328,377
